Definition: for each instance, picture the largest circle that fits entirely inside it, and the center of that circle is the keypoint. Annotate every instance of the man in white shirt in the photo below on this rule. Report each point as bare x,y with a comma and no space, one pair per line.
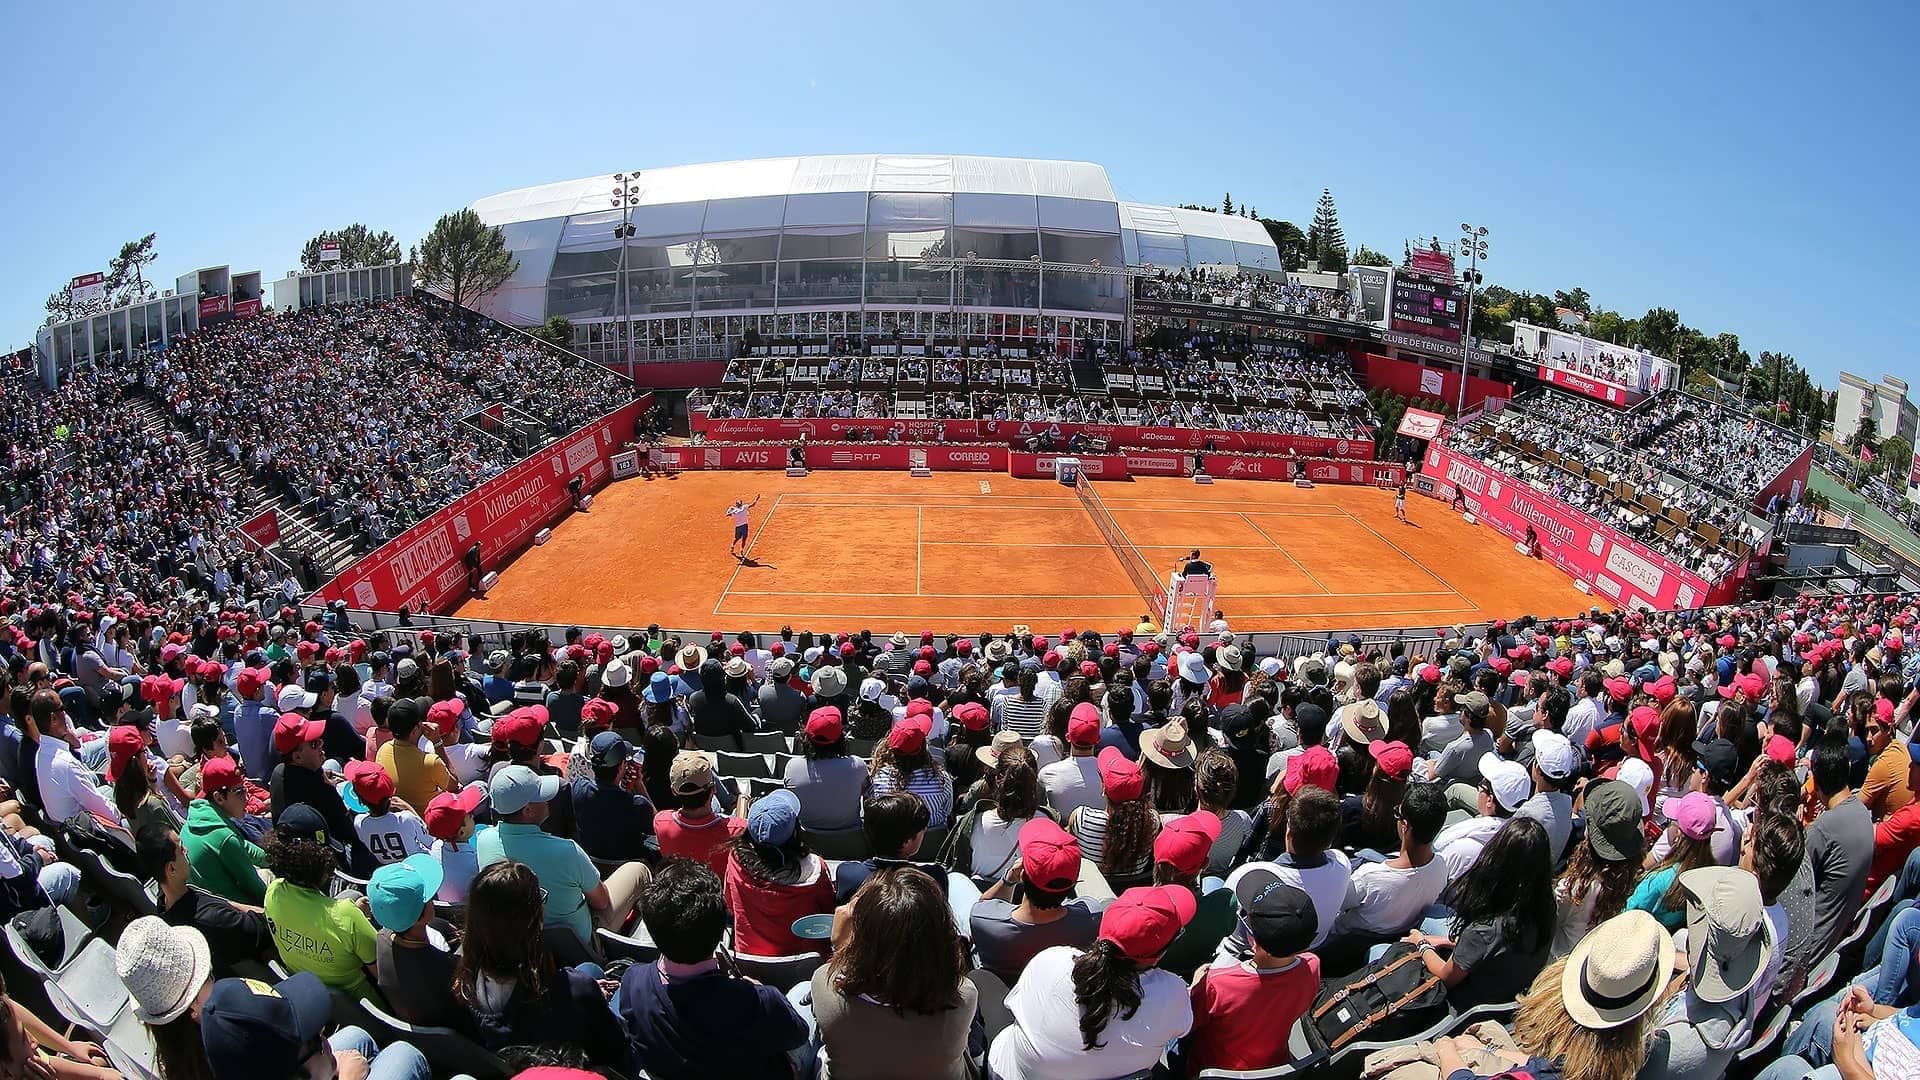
1585,715
67,788
1554,762
1504,787
1074,781
1384,899
1310,864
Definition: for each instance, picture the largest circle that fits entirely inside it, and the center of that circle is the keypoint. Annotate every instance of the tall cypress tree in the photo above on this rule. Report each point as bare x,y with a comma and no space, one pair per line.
1325,241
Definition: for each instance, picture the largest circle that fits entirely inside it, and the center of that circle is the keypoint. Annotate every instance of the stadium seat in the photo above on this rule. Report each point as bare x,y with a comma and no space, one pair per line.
88,991
1768,1031
743,766
1305,1062
759,787
840,845
450,1052
862,748
780,972
638,948
715,742
130,1048
767,742
1820,982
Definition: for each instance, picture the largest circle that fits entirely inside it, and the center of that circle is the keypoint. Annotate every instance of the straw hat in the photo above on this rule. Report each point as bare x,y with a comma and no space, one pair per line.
1168,745
1617,971
1003,741
692,657
162,966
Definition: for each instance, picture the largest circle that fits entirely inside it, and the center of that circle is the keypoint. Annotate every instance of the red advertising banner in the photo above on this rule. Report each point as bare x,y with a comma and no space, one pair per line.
422,568
213,305
1597,389
1246,467
1913,478
263,528
1147,464
1015,433
244,308
1789,485
1616,567
1412,380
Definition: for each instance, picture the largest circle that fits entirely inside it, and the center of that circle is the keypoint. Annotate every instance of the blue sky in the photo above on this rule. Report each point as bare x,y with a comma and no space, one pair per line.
1749,165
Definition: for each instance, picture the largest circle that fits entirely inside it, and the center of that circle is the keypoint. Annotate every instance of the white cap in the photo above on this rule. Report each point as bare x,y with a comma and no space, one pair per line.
1638,775
1554,754
616,674
292,697
1511,784
1272,666
872,690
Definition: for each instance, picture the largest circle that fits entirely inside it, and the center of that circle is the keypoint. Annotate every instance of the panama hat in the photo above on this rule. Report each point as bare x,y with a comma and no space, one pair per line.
1168,745
1616,973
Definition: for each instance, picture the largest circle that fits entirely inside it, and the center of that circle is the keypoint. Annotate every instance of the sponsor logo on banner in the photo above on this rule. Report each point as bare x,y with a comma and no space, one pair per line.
364,596
212,305
1684,597
1595,543
1324,472
420,560
753,457
1547,524
856,457
1237,467
1462,475
506,502
460,527
88,288
1607,585
963,457
1636,570
1432,382
452,578
1420,424
329,251
1154,463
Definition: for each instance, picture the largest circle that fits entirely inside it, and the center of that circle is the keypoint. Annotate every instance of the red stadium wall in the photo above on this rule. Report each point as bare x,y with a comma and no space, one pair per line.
1789,485
1413,380
982,458
1014,432
1615,566
422,569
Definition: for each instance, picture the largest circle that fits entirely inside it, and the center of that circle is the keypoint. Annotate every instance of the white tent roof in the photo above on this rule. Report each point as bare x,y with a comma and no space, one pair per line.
809,175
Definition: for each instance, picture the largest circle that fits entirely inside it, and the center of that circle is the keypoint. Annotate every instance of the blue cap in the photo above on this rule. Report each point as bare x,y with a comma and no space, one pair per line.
399,892
513,788
252,1029
301,822
1913,752
608,748
773,820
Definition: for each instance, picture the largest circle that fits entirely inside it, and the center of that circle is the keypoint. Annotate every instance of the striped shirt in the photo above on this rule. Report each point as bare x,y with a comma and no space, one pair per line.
1027,718
1090,829
936,789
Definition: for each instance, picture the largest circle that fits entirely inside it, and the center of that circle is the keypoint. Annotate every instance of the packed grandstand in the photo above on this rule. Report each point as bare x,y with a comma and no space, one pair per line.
1676,834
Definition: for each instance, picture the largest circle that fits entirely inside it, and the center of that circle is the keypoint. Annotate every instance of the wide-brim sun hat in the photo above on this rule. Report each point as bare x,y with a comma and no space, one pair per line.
1617,972
1168,745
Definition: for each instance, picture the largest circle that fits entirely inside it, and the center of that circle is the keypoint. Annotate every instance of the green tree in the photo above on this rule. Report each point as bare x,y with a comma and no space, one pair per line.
1574,300
359,246
1897,453
1659,330
1226,203
1607,326
1366,256
1325,240
1291,242
463,258
556,331
126,278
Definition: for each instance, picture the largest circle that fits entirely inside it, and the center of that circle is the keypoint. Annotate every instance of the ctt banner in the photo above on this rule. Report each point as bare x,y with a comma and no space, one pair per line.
423,567
1616,567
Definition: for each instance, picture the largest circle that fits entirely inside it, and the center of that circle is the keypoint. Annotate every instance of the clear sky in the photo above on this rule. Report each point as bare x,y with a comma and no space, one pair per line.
1750,165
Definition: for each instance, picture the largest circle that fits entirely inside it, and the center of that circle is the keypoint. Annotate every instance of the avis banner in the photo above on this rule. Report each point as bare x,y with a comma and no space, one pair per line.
1616,567
424,569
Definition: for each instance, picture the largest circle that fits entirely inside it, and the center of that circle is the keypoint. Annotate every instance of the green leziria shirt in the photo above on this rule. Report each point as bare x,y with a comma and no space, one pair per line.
331,938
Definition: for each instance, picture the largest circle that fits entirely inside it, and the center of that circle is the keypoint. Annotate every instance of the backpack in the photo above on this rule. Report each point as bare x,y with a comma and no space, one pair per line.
1392,998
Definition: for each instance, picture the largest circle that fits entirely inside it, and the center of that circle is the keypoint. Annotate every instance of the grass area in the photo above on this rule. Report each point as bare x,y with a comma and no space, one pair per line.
1874,519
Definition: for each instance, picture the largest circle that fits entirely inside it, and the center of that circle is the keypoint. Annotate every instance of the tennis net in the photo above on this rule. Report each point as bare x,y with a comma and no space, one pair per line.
1145,580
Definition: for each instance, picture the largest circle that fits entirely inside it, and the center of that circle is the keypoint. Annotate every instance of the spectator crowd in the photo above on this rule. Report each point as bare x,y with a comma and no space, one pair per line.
1628,844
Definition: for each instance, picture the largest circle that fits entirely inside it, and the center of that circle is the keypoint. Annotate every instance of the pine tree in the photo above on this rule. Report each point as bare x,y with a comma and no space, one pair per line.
1226,203
1325,241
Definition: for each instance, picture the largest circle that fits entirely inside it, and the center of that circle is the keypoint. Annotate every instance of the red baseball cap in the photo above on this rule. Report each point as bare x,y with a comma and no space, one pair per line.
219,774
1663,689
825,726
1619,688
370,782
909,736
124,743
292,729
1089,669
1144,921
599,713
971,715
963,646
1186,841
1083,726
922,667
1316,766
1393,758
519,727
1120,776
1049,857
445,715
449,810
1781,750
1645,722
1561,666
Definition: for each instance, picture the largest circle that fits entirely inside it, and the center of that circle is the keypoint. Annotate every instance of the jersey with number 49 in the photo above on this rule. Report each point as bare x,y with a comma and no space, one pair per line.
392,836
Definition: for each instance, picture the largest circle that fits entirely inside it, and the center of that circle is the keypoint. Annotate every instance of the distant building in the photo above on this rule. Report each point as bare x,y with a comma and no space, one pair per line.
1885,402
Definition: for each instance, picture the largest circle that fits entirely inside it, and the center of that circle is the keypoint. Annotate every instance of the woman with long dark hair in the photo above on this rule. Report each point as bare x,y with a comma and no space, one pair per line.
1104,1010
1403,718
1672,757
895,1000
1118,838
1502,922
508,981
985,840
902,762
1603,867
1691,839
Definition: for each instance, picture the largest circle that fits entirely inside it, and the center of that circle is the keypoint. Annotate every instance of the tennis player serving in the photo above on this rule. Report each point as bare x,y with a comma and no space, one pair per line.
738,512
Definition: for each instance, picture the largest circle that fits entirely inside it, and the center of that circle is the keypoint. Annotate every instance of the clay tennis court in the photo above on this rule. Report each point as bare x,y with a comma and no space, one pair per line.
967,552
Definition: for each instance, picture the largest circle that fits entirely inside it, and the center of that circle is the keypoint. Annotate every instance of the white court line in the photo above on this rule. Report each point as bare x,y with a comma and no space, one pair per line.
1018,615
1288,554
918,544
1102,546
741,562
1403,554
955,596
1065,500
931,503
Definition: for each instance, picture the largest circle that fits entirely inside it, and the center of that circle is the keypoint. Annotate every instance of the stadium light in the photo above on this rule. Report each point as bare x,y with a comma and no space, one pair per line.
1473,242
626,196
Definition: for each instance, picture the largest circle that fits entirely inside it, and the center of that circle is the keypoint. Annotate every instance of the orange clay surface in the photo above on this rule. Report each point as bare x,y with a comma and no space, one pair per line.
982,551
